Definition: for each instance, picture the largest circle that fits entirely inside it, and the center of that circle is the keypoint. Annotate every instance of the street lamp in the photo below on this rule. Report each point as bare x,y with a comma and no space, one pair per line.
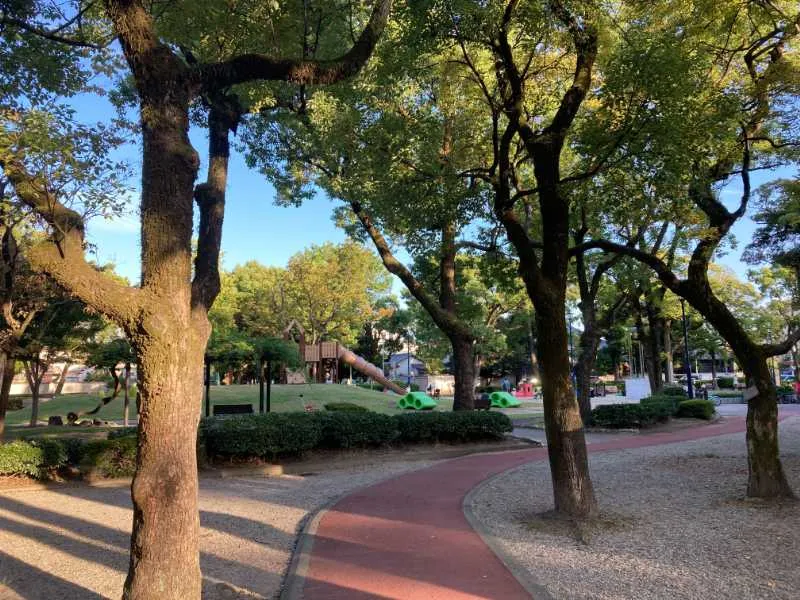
687,367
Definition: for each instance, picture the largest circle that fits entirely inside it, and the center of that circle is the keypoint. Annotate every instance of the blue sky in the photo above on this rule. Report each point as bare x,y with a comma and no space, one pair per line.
256,229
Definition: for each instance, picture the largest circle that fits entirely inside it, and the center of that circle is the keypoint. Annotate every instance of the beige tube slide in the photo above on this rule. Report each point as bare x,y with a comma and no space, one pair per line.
367,368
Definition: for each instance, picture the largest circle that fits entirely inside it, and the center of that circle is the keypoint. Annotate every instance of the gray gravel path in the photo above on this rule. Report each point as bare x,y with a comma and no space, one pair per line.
676,525
72,542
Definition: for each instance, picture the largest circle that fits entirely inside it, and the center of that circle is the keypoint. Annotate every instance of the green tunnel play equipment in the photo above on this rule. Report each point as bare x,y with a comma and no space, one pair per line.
503,400
416,401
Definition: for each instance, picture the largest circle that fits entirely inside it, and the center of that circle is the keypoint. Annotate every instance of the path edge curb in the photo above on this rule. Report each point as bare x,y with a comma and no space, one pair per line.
520,573
294,578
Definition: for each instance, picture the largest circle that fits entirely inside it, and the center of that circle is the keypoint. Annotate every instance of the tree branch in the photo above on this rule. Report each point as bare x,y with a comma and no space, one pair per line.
444,319
224,115
781,347
62,257
252,67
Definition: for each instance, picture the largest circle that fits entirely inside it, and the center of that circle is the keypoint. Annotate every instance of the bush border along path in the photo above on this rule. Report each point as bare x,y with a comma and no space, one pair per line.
397,539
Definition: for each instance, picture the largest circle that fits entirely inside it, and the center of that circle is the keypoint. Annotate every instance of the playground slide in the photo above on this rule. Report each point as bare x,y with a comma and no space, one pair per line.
366,368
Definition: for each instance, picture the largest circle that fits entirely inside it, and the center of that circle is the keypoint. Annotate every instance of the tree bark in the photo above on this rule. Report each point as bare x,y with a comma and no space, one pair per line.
126,399
464,369
669,367
8,366
766,476
442,310
590,341
63,378
34,375
572,488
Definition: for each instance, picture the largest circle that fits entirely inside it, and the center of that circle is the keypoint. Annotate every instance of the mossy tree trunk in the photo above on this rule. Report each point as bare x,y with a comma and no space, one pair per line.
166,317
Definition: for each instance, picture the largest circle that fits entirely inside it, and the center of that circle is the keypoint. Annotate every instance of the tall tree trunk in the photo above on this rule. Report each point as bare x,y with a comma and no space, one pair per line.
572,488
464,369
766,476
126,399
7,363
589,342
532,349
32,369
649,365
669,367
713,368
63,378
169,340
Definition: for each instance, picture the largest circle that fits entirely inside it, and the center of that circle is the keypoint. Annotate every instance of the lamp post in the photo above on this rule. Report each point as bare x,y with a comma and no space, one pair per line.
687,367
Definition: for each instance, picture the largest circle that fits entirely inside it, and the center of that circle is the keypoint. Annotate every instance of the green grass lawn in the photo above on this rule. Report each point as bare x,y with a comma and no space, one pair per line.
284,398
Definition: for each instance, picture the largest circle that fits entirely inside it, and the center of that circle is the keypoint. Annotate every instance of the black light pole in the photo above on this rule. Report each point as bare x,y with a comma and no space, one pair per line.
687,367
207,386
269,382
260,385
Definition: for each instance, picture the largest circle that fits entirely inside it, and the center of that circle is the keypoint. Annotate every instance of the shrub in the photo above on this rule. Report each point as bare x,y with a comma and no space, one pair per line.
14,403
345,407
785,389
346,429
725,393
725,382
74,448
263,436
673,390
461,426
33,459
696,409
110,458
618,416
658,409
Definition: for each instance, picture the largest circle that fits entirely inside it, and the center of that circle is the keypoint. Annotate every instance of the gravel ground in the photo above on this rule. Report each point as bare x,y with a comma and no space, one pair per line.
72,542
675,525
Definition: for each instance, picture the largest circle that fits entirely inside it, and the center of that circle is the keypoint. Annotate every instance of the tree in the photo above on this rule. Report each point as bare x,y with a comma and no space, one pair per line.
271,351
736,126
116,356
406,131
166,318
506,57
56,331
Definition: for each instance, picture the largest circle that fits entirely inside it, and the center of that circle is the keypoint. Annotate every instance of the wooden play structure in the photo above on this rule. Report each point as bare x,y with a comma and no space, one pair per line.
322,362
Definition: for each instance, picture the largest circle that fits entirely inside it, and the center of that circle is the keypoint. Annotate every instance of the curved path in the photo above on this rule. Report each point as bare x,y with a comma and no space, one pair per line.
407,538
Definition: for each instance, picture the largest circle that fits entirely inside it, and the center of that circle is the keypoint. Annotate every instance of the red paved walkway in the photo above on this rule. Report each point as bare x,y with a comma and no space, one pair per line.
407,538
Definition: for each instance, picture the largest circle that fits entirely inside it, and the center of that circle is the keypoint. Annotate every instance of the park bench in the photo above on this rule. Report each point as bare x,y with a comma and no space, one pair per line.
483,402
232,409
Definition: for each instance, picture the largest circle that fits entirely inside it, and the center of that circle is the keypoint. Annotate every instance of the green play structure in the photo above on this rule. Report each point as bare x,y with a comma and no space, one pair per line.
417,401
503,400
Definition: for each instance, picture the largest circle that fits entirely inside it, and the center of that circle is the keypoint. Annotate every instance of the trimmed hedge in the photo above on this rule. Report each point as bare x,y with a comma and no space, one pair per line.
617,416
345,407
696,409
263,436
109,458
460,426
287,434
725,382
673,390
14,403
658,409
33,459
347,429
